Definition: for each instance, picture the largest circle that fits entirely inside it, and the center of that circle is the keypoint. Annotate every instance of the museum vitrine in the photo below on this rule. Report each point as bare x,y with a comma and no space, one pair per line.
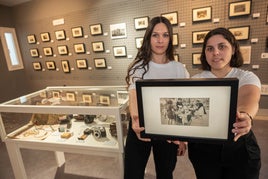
78,119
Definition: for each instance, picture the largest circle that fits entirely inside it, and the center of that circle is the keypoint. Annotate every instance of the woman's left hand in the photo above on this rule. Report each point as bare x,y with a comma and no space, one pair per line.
182,147
242,125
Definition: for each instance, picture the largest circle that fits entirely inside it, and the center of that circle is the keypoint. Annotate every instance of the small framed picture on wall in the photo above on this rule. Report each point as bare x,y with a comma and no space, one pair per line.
37,66
81,63
77,32
60,35
63,49
50,65
98,46
65,66
96,29
172,17
34,52
241,8
48,51
31,39
45,37
120,51
79,48
201,14
240,33
141,23
100,63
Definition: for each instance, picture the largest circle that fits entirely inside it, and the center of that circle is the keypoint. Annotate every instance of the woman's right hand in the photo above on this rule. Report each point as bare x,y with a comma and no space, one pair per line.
137,129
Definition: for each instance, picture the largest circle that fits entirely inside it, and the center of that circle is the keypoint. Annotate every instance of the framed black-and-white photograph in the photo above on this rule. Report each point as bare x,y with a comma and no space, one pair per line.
50,65
141,23
45,37
246,54
120,51
65,66
175,39
241,8
172,17
98,46
37,66
60,35
48,51
199,36
63,49
100,63
138,42
122,96
96,29
188,109
118,31
105,100
77,32
81,63
31,39
79,48
34,52
196,58
87,98
70,96
240,33
201,14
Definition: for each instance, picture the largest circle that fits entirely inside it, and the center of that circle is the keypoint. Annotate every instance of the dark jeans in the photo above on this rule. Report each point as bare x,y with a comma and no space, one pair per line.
231,160
137,154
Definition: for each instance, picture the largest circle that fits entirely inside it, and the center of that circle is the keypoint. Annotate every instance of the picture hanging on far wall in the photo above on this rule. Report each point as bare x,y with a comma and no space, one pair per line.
50,65
141,23
201,14
37,66
96,29
172,17
65,66
138,41
34,52
241,8
240,33
199,36
175,39
246,53
45,37
70,96
105,100
48,51
81,63
87,98
60,35
79,48
120,51
100,63
77,32
63,50
31,39
98,46
118,31
196,58
176,57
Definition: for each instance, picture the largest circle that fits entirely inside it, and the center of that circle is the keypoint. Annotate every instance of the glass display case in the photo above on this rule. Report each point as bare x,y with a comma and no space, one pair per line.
77,119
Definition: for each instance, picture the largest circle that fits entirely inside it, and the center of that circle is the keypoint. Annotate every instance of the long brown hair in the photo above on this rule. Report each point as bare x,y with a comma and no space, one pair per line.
144,54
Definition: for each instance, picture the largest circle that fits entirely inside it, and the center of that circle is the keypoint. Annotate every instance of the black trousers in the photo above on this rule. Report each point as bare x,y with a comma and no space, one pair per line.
137,154
231,160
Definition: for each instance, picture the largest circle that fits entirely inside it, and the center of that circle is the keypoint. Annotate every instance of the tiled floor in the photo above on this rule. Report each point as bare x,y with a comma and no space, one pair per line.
42,164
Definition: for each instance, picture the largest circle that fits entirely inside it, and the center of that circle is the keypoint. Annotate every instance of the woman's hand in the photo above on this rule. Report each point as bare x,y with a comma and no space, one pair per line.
182,146
242,125
137,129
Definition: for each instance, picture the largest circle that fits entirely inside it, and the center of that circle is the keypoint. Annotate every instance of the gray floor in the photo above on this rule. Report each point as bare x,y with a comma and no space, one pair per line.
42,164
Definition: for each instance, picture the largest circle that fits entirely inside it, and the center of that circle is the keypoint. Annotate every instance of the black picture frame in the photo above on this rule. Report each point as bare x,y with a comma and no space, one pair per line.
31,39
96,29
48,51
196,58
77,32
241,8
34,52
37,66
60,34
100,63
156,97
98,46
172,17
51,65
81,63
65,66
120,51
141,23
241,32
202,14
45,36
79,48
199,36
63,50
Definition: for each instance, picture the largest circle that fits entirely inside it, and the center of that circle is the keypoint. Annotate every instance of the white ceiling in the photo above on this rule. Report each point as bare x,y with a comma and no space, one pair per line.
12,2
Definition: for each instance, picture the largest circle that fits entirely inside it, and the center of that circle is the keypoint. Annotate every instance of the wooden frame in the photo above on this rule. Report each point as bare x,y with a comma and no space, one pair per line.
138,42
120,51
81,63
100,63
60,35
141,23
172,17
37,66
31,39
246,54
48,51
34,52
65,66
202,14
50,65
98,46
175,39
208,124
241,8
240,33
45,37
96,29
79,48
77,32
63,49
196,58
118,31
199,36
